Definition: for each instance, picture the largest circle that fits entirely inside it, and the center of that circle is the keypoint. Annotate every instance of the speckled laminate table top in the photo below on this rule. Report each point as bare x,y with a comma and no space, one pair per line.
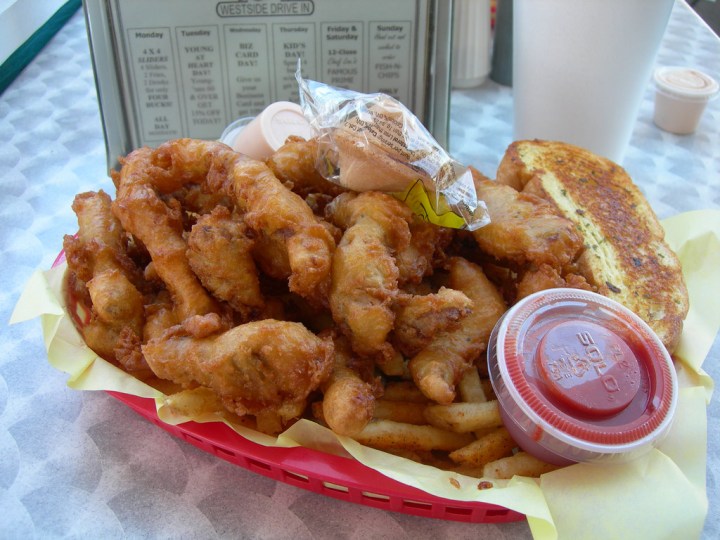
82,465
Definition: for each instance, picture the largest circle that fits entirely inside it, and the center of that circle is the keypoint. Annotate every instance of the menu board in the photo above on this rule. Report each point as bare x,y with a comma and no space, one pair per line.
188,68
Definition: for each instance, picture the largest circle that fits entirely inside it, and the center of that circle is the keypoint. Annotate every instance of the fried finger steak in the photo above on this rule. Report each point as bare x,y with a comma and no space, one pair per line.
364,273
159,227
283,217
524,228
438,367
220,253
419,318
349,393
99,259
253,367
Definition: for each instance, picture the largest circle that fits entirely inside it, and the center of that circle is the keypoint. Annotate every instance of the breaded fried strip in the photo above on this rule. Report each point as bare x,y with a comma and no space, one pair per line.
294,164
285,219
348,399
427,242
439,366
259,367
144,215
544,277
524,228
269,208
364,273
97,255
420,317
219,252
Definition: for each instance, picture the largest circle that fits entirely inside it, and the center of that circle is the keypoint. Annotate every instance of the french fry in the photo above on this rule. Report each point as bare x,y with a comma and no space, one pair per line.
464,417
269,422
385,434
468,470
492,446
200,403
471,389
520,464
412,455
488,389
426,457
400,411
484,431
403,391
195,402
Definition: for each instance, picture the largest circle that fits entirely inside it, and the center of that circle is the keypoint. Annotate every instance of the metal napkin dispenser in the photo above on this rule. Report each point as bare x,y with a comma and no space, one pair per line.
167,69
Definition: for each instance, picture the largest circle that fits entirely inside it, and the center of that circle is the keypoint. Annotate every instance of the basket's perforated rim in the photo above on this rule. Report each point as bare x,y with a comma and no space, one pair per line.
333,476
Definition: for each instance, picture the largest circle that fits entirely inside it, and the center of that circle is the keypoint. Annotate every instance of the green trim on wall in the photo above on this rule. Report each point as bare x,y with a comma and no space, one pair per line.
24,54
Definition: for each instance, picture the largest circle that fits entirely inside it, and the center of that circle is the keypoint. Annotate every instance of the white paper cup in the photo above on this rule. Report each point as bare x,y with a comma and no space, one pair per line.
580,69
680,98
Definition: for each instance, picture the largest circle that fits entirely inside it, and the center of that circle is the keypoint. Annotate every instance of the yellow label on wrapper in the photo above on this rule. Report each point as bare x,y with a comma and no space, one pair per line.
416,197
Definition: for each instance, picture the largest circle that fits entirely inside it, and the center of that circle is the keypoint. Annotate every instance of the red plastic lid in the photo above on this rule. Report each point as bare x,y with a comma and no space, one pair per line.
588,367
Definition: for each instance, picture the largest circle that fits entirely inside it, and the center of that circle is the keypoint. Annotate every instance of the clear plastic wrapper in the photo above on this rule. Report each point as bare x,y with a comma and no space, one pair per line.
372,142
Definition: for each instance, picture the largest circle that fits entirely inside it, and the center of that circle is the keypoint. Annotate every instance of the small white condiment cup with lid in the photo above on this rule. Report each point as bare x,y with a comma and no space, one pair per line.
260,136
681,97
580,378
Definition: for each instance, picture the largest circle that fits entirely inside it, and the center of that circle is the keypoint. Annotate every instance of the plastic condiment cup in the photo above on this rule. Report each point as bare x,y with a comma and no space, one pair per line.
680,98
261,136
580,378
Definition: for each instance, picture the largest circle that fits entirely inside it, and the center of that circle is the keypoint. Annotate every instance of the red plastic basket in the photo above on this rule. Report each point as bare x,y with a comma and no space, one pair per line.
327,474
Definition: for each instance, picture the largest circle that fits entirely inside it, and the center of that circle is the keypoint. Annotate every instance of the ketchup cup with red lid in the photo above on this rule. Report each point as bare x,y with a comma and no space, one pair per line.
580,378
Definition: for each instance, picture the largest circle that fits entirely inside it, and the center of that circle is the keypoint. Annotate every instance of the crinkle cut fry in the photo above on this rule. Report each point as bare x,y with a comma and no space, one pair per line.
439,366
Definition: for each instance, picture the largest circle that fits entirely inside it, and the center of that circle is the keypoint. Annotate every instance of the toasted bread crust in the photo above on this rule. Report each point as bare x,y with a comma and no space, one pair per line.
625,253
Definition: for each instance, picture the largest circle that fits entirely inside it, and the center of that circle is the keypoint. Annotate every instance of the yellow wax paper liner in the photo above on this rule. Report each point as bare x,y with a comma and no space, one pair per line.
659,495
